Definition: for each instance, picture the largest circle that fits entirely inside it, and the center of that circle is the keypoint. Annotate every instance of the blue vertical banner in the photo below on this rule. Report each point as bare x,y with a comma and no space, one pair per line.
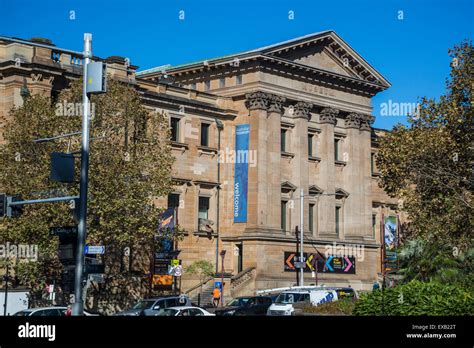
241,178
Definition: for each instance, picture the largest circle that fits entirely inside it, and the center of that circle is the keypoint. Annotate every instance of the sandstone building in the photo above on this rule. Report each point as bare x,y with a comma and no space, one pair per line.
307,104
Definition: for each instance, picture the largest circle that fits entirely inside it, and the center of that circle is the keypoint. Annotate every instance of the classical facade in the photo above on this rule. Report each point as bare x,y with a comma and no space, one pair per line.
307,104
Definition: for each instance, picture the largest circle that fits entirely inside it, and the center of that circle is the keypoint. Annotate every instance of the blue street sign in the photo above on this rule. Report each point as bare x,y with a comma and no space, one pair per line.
94,249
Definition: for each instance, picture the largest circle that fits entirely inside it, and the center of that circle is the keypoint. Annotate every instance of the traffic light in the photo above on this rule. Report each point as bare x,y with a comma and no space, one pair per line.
3,205
14,210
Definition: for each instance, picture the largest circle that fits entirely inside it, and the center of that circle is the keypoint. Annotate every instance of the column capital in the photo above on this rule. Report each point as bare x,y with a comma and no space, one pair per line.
328,115
257,100
302,110
275,103
352,120
366,121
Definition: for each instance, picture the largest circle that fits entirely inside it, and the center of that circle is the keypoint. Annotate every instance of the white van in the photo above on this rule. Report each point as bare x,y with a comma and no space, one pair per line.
283,304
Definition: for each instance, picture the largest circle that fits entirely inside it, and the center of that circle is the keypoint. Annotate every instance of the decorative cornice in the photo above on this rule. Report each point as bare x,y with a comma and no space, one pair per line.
328,115
275,103
366,121
302,110
352,121
257,100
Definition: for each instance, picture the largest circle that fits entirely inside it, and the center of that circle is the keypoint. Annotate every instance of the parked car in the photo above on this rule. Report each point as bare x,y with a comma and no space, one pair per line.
48,312
149,307
284,302
246,305
186,311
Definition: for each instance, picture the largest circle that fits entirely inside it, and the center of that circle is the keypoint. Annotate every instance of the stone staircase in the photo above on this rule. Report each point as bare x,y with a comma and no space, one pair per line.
205,296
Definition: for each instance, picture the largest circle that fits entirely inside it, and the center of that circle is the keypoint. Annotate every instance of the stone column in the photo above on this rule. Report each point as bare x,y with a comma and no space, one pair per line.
300,171
327,215
275,110
257,103
365,174
354,204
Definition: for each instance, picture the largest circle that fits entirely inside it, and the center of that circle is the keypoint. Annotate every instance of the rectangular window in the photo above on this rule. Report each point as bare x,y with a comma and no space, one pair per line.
207,85
193,85
222,82
374,224
311,218
204,134
310,145
372,163
174,123
283,215
338,219
336,149
283,140
203,208
173,200
238,80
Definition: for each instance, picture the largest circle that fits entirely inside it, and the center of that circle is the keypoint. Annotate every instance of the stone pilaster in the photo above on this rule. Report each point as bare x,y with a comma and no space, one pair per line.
365,174
275,110
257,103
327,217
354,204
300,172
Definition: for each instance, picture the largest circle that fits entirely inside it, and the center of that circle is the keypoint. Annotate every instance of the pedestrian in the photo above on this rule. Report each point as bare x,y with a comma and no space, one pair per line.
216,296
68,312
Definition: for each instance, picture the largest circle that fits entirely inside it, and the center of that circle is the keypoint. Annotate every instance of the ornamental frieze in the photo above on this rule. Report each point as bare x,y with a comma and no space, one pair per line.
328,115
352,121
257,100
302,110
366,121
275,103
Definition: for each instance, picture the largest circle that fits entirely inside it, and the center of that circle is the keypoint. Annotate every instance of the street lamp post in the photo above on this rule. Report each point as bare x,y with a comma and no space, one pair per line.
78,306
222,277
301,235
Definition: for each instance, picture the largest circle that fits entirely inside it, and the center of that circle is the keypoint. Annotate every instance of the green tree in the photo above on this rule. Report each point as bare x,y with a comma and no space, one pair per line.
440,262
203,269
130,165
428,164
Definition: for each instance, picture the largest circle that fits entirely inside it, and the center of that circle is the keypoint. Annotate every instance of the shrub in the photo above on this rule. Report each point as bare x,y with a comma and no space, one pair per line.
341,307
417,298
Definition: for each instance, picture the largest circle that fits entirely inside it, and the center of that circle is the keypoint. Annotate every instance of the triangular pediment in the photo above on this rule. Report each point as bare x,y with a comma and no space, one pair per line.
319,57
326,51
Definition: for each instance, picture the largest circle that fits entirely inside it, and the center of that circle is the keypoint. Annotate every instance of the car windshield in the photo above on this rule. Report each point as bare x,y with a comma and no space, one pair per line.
22,314
144,304
289,298
167,312
239,302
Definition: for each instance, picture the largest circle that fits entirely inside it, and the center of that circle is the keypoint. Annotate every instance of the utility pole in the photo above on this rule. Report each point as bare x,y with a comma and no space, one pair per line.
301,235
6,289
78,306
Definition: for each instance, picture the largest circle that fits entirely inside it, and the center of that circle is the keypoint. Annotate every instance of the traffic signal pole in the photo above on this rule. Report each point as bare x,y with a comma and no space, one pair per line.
78,306
301,235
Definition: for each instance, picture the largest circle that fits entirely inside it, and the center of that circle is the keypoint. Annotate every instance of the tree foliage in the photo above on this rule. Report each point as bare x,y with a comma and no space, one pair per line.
439,262
429,164
130,166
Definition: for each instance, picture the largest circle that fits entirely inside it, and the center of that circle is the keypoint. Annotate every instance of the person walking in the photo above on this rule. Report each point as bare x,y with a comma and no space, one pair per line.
216,296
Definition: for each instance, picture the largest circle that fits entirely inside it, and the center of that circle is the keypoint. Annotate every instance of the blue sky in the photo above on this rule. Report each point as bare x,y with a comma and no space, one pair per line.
411,53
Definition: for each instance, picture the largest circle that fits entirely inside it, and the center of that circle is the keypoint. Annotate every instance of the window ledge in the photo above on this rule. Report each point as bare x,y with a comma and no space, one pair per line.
207,150
287,154
179,146
340,163
314,159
